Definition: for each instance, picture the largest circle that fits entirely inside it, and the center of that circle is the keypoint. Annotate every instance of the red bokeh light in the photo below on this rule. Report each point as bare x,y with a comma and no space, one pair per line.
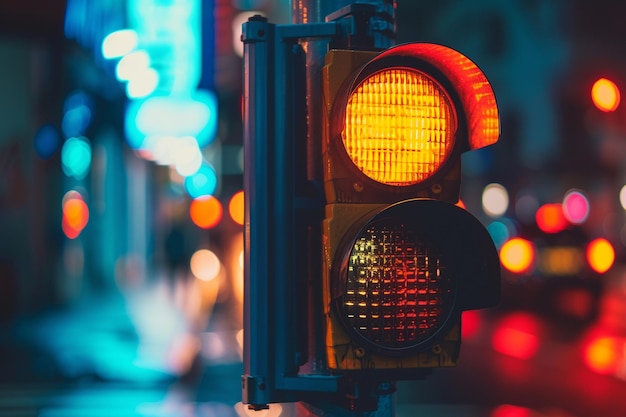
517,335
470,323
507,410
550,218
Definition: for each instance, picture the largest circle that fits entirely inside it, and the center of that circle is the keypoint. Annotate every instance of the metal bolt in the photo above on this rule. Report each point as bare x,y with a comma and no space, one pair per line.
359,352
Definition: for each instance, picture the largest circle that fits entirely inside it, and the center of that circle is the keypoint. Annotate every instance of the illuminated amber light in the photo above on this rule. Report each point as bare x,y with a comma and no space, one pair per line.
399,126
605,95
517,255
396,286
600,255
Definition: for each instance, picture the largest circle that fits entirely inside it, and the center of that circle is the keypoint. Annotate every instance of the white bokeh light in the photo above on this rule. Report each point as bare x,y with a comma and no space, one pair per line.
205,265
495,200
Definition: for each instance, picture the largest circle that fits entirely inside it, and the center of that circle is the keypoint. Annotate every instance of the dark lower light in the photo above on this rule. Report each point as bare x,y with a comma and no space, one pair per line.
397,285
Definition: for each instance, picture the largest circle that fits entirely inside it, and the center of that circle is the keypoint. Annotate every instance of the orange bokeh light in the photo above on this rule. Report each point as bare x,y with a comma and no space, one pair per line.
236,209
605,95
601,355
75,214
517,255
206,212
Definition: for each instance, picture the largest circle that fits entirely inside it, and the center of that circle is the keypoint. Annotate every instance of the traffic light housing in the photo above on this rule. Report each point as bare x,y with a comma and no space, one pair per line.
357,262
401,261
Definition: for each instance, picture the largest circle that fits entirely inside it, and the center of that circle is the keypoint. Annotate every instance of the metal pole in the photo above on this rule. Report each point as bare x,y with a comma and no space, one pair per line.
258,133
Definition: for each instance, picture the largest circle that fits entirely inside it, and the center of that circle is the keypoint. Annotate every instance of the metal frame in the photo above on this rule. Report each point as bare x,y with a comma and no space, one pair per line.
277,212
282,204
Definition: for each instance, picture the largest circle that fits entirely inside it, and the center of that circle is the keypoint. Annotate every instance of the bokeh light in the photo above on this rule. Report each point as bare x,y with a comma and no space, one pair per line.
187,156
603,351
576,207
470,323
600,255
75,214
236,209
202,183
144,82
518,255
132,65
509,410
76,157
206,212
205,265
601,355
495,200
172,116
47,140
119,43
77,114
622,197
605,95
501,230
550,218
161,149
517,335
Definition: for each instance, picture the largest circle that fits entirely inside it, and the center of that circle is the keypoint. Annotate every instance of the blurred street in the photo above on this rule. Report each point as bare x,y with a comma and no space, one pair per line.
134,353
119,354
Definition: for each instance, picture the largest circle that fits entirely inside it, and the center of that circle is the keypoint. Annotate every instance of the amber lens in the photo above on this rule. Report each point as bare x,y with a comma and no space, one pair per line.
399,126
396,286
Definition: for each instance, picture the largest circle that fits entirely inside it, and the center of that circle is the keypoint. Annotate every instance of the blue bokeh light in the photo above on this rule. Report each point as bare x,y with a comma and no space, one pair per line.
501,230
172,116
47,140
76,157
202,183
77,114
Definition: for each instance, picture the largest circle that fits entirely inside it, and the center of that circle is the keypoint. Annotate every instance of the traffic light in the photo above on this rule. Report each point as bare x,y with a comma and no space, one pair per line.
357,261
401,261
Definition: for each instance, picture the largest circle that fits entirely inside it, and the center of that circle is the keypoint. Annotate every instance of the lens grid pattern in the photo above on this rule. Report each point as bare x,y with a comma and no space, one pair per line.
399,126
396,286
